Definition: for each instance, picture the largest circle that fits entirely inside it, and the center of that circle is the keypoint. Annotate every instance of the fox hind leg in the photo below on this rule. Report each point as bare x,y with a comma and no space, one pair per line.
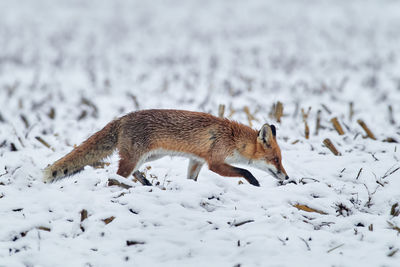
126,167
194,169
129,164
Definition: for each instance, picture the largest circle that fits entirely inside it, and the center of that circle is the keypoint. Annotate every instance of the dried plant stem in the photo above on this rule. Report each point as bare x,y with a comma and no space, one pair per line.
114,182
277,111
306,130
141,178
326,108
135,100
242,222
231,111
24,120
52,113
366,129
393,226
221,110
250,116
305,117
391,117
359,173
318,122
308,209
332,249
337,126
108,220
44,142
84,215
332,148
351,113
391,254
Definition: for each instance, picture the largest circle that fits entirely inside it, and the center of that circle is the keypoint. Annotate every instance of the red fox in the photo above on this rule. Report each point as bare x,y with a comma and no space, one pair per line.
147,135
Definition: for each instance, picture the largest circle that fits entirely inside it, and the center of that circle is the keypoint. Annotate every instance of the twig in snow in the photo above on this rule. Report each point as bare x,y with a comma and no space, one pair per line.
351,112
277,111
359,173
326,108
390,140
84,215
337,126
308,209
141,178
394,227
43,228
395,210
5,168
368,204
108,220
305,117
296,109
283,241
250,117
375,158
231,111
332,249
87,102
135,101
366,129
40,139
24,120
318,122
308,247
242,223
206,99
342,210
112,182
391,117
134,242
303,180
52,113
391,254
327,142
388,173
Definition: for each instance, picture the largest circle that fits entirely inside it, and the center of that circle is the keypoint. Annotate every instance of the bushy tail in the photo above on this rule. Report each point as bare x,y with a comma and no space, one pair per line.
94,149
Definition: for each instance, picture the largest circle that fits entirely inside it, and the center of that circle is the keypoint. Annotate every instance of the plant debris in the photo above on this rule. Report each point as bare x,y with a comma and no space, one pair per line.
308,209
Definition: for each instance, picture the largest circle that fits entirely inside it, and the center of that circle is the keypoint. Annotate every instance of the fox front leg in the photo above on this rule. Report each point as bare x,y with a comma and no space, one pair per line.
230,171
194,169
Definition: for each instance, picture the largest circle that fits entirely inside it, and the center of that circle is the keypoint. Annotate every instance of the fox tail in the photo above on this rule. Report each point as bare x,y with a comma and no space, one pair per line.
97,147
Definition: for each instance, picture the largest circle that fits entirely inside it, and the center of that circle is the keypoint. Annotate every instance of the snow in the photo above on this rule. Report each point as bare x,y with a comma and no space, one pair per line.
69,67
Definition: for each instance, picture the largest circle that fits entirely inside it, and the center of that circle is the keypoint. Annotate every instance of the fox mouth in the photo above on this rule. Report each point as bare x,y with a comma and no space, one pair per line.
274,174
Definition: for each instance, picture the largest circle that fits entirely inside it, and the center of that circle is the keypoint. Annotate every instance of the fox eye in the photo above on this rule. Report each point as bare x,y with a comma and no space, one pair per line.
276,160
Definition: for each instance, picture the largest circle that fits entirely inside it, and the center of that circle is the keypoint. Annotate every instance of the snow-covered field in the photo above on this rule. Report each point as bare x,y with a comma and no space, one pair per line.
69,67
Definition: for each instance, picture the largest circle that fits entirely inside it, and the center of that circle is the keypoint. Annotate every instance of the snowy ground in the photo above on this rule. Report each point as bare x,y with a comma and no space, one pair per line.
69,67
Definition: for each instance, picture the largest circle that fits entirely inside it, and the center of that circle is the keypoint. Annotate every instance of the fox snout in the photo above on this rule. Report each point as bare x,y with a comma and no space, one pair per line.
279,175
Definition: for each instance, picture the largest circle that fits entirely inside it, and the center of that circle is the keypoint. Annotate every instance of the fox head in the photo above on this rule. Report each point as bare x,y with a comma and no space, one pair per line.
268,154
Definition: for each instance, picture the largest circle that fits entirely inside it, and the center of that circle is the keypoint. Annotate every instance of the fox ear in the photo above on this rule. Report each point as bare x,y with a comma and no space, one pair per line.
273,129
266,134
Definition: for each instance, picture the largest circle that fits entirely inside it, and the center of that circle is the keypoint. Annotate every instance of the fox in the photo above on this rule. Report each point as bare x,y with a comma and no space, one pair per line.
147,135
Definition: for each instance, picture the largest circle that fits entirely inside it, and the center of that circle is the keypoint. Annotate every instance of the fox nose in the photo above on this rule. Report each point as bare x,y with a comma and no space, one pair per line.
286,177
